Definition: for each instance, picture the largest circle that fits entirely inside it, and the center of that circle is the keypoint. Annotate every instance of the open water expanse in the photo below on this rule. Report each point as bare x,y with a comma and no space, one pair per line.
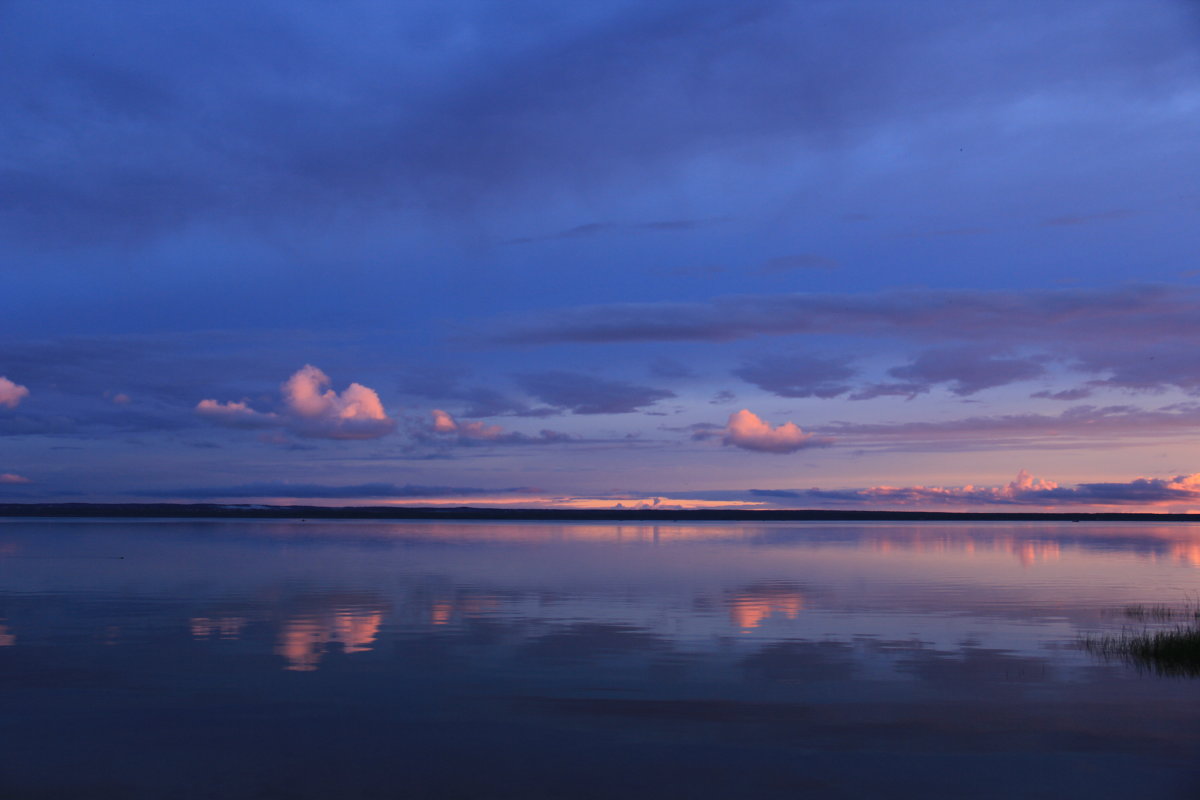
285,659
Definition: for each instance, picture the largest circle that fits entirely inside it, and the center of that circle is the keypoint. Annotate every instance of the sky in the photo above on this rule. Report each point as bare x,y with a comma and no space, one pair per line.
804,254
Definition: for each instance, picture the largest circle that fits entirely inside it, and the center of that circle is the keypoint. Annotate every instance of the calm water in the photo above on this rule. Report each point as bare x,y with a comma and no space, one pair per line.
169,659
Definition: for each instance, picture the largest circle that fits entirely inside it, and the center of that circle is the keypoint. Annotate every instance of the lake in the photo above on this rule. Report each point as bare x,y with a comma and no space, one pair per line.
361,659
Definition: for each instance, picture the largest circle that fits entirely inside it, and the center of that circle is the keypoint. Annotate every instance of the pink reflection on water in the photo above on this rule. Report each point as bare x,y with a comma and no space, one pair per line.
216,627
749,609
1026,551
303,640
465,605
1186,553
6,639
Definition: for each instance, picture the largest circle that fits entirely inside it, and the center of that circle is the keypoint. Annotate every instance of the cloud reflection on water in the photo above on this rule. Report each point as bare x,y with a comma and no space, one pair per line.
304,640
750,608
853,657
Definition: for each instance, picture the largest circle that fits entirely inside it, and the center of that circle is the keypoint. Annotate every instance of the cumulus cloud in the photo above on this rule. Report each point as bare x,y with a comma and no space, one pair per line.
749,432
311,408
12,477
11,394
318,411
585,394
1023,490
798,375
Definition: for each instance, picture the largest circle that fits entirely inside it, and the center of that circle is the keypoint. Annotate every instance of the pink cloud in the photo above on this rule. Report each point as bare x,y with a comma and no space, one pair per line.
317,410
475,432
749,432
12,477
11,394
235,414
310,408
1024,490
443,422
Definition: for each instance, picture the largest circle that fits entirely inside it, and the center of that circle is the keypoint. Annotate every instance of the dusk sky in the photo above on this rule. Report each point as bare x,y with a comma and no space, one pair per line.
806,254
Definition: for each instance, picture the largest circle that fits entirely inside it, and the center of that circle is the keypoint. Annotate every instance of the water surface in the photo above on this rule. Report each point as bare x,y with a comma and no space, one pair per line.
361,659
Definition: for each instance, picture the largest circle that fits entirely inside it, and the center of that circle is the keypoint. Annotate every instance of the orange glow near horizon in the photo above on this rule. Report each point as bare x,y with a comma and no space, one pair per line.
615,503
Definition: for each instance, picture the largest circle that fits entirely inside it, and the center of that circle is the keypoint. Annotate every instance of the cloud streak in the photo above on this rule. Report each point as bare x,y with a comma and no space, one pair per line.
1079,425
476,432
1156,312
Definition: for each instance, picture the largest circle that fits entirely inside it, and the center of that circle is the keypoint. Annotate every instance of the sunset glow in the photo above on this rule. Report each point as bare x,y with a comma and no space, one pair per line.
760,259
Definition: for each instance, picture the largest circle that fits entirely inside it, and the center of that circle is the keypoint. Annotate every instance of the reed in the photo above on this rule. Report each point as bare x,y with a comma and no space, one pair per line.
1170,651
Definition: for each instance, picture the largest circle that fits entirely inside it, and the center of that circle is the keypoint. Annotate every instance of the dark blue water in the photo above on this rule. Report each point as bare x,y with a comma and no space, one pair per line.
168,659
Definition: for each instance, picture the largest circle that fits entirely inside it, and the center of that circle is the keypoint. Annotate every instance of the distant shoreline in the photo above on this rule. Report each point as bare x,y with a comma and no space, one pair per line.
217,511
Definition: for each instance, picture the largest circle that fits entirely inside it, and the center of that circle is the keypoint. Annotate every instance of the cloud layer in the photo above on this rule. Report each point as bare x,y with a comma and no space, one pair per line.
1154,312
496,104
1132,338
